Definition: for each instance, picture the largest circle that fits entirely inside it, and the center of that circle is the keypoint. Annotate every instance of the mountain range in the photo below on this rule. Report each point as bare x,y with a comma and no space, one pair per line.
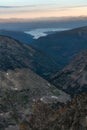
27,100
52,22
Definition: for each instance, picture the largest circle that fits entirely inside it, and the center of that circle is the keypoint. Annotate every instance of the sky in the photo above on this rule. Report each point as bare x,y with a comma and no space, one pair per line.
42,8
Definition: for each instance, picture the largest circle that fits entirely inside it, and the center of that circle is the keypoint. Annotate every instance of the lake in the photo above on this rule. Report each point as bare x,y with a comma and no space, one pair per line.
42,32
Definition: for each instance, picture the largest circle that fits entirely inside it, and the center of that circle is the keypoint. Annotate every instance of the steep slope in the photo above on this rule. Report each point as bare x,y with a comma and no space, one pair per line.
63,45
72,116
19,88
73,78
14,54
25,79
18,35
19,85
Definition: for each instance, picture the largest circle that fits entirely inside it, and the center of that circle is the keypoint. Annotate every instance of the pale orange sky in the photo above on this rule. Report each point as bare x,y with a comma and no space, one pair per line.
42,11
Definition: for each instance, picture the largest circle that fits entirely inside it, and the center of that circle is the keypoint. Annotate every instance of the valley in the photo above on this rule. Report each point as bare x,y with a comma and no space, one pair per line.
43,65
43,81
63,46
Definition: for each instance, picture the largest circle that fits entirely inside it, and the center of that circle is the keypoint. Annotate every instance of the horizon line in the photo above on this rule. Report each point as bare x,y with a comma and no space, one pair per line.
60,17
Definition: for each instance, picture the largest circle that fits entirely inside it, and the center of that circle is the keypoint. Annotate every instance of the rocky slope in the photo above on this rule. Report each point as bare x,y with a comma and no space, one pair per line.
19,89
14,54
62,46
73,78
26,80
72,116
44,116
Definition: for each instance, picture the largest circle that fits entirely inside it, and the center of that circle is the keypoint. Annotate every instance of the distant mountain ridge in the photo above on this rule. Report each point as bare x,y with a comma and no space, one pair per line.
55,22
18,35
62,46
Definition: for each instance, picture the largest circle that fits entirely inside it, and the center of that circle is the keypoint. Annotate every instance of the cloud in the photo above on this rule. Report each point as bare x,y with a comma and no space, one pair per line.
6,7
35,11
16,6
